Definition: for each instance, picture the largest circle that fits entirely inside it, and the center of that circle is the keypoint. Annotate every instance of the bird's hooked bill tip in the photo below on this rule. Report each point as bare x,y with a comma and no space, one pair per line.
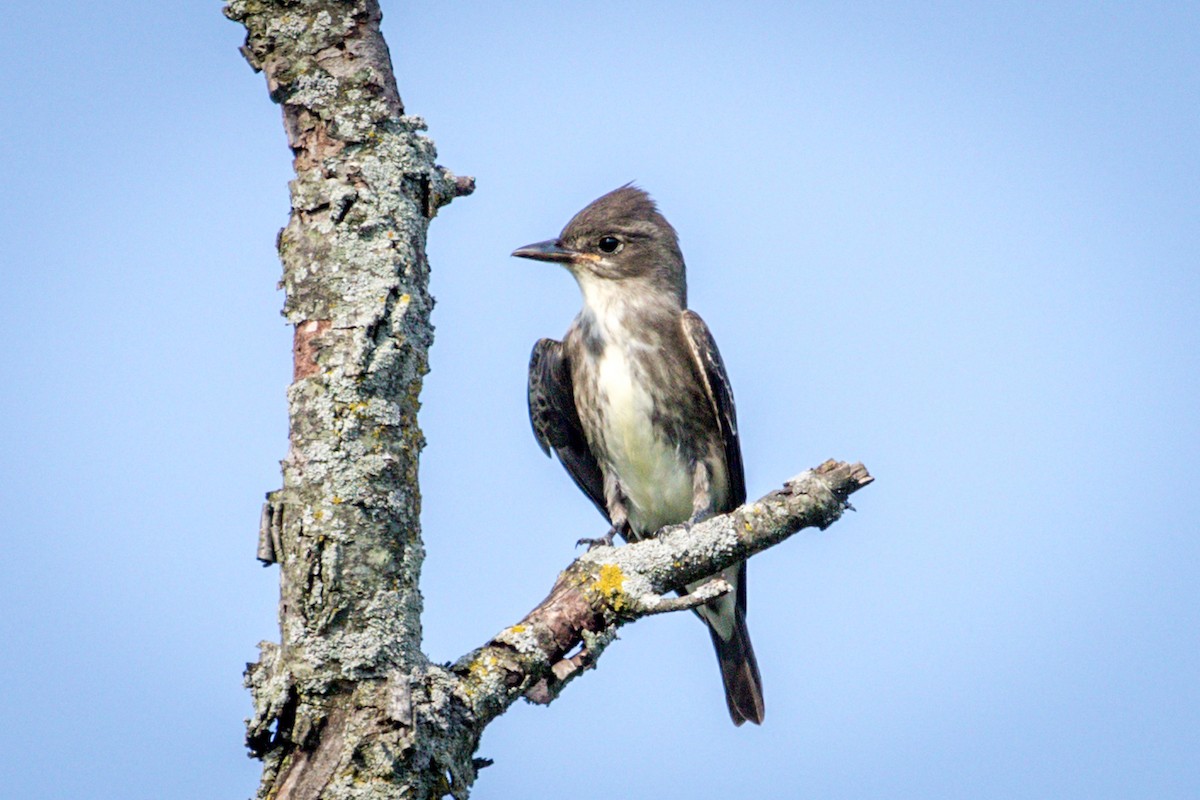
549,250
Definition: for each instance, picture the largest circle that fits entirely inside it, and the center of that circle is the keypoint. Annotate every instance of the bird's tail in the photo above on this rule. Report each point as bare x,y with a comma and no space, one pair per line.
726,620
739,672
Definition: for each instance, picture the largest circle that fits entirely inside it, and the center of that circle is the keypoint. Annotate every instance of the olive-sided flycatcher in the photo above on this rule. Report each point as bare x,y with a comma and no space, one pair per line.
637,406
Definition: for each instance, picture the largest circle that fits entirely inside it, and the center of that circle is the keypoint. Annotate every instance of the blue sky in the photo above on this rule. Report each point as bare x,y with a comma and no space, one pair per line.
957,242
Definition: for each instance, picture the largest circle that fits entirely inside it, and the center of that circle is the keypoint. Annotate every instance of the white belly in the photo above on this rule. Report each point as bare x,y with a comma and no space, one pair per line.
654,477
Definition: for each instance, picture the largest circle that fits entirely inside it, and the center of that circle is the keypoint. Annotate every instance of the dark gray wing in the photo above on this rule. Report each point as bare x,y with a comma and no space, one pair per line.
739,668
720,393
556,422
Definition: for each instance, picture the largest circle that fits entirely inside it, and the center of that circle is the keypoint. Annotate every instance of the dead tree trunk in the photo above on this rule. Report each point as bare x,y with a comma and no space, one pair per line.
347,705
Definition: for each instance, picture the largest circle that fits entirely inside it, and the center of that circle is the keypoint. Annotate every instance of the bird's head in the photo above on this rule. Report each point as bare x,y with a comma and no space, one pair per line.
618,237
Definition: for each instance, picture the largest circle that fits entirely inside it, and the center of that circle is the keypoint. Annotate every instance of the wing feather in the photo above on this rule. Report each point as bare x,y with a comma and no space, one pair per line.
716,382
556,422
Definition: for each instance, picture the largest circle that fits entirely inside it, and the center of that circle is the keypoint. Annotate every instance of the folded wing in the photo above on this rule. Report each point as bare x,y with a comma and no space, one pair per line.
556,422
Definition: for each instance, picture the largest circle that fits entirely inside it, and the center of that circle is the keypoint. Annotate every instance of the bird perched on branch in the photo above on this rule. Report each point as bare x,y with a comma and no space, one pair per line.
636,404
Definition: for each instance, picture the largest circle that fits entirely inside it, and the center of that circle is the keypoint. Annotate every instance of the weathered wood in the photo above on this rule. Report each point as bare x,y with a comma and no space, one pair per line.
345,527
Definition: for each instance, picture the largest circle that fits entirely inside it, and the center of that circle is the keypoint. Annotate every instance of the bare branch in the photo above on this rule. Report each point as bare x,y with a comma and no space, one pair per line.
612,586
664,604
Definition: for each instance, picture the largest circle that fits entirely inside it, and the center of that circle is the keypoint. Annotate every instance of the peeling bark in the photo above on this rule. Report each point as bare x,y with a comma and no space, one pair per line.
347,705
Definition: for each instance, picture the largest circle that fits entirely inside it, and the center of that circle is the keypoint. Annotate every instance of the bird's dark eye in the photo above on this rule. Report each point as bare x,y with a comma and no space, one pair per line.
609,244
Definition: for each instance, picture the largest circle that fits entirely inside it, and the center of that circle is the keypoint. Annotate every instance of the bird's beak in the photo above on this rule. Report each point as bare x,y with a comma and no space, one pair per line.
549,250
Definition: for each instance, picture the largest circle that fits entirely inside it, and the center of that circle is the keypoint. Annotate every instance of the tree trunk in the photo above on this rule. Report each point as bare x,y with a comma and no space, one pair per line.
347,705
333,714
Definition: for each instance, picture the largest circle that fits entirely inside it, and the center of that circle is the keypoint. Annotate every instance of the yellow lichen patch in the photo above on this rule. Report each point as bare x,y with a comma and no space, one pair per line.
318,515
482,666
610,581
337,501
480,671
517,629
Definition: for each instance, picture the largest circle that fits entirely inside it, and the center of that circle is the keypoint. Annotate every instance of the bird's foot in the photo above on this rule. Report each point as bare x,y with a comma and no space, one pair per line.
604,541
698,517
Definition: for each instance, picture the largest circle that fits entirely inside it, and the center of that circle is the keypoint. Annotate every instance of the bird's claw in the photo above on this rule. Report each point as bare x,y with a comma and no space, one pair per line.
604,541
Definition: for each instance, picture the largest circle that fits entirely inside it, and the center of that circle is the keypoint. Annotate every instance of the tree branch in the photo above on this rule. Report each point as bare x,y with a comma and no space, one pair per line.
609,587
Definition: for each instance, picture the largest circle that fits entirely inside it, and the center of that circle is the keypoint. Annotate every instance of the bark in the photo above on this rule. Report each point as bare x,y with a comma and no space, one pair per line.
345,527
347,705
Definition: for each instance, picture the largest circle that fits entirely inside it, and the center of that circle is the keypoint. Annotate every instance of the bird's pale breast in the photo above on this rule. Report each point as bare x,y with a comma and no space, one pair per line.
653,474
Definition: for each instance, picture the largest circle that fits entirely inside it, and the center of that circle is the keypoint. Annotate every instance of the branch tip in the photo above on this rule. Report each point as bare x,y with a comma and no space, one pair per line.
664,604
463,185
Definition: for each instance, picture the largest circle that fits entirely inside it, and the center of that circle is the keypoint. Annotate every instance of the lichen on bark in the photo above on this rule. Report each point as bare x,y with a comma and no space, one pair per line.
356,282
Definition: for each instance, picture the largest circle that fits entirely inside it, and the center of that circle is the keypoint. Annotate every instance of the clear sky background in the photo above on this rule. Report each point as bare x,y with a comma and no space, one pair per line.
958,242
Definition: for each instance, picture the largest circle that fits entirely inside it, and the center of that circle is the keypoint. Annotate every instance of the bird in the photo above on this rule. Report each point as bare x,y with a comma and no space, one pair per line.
636,404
